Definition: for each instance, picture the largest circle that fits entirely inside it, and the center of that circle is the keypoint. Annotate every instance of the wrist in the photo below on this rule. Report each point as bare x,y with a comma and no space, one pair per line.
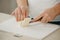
56,8
23,7
22,3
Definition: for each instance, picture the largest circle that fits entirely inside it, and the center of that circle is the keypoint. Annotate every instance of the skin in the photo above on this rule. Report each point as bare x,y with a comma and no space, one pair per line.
49,14
21,11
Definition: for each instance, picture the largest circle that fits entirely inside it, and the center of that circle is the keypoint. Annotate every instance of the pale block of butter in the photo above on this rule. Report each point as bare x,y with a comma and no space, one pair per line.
25,22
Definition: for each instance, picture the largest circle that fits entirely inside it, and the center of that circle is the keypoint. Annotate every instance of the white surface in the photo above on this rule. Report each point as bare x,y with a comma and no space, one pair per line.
34,30
39,30
8,23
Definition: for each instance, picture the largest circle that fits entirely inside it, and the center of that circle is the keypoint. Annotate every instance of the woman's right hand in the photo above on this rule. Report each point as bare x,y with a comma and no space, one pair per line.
20,13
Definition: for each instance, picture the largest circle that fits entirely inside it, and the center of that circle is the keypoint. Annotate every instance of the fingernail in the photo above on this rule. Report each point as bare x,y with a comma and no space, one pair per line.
32,18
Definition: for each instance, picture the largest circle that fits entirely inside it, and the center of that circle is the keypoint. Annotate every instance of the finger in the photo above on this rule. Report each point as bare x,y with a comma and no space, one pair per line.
37,18
16,14
26,13
19,14
49,19
44,20
13,13
23,13
22,18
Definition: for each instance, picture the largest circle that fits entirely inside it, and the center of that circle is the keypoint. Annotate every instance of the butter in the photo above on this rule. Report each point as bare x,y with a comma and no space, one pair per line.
25,22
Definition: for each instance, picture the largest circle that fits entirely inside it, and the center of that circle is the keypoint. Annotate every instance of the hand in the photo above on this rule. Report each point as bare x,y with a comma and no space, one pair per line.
47,16
20,13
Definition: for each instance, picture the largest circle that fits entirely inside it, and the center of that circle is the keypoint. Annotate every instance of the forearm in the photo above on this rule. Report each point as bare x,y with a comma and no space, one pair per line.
57,8
22,2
